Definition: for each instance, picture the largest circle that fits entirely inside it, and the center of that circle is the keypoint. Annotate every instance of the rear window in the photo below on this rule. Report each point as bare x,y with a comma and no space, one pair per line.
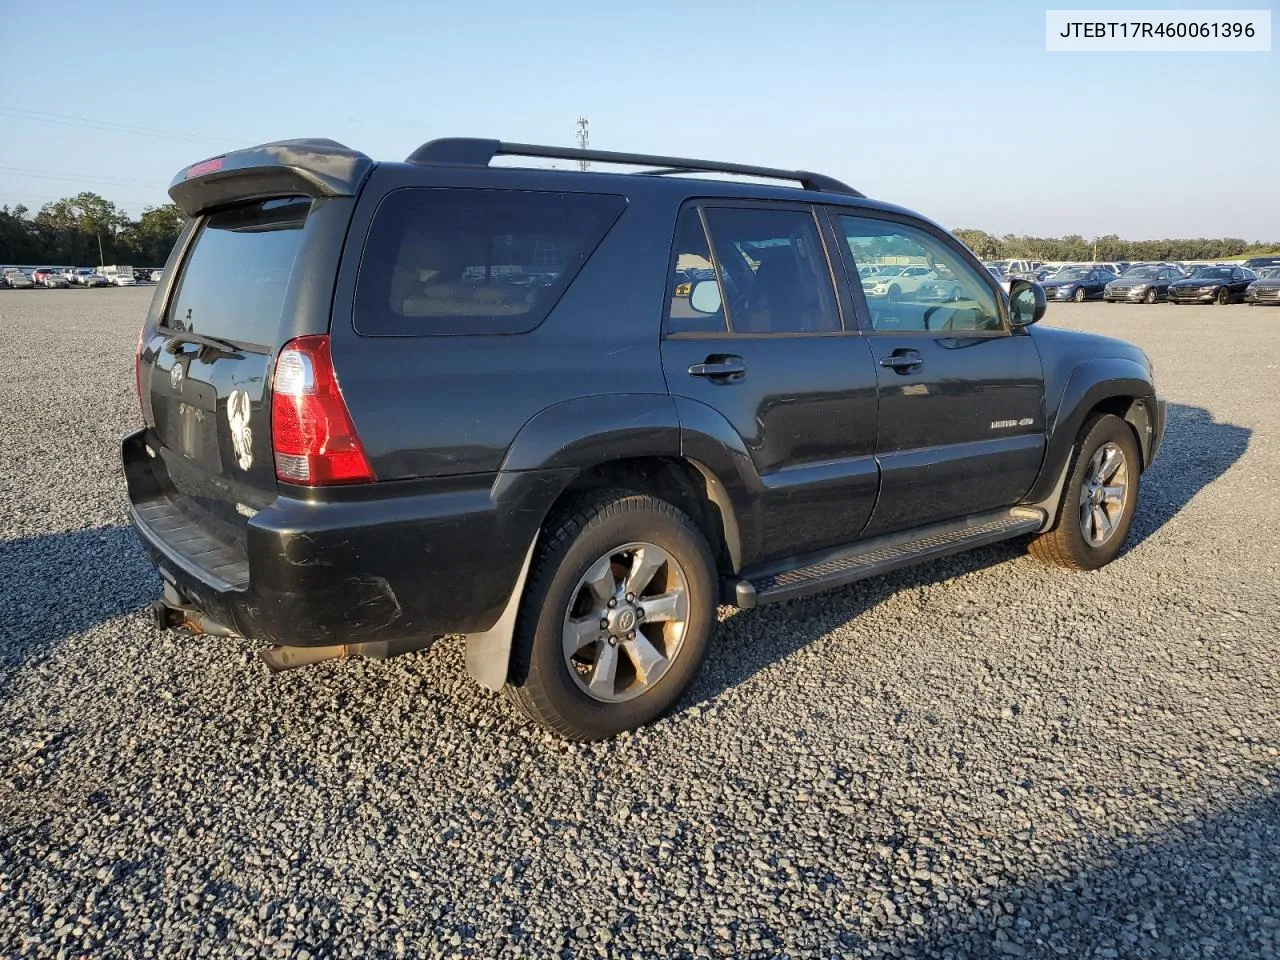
458,261
234,280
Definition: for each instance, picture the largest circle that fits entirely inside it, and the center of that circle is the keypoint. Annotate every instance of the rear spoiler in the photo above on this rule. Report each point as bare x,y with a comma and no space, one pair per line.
313,168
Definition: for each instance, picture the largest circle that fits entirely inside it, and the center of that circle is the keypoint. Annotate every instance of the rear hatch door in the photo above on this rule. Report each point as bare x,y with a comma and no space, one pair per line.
206,367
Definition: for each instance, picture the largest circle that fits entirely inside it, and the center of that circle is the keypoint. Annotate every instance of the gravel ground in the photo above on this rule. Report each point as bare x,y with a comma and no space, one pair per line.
981,757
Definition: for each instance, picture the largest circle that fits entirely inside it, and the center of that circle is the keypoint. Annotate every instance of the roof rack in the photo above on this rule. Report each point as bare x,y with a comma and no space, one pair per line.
478,152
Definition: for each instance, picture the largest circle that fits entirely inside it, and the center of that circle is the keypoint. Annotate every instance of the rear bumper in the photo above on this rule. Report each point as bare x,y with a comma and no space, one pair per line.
397,561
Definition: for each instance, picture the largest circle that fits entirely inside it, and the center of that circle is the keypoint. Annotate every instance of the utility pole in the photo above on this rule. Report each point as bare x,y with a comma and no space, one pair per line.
583,140
100,262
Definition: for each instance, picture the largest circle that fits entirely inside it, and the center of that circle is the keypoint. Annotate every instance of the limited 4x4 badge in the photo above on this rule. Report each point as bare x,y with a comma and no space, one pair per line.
1006,424
238,410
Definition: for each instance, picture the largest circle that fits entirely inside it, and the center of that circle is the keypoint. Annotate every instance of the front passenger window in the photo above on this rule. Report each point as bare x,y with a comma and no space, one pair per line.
919,282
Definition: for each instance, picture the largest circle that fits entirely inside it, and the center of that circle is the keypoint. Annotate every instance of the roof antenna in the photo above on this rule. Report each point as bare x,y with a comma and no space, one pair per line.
583,140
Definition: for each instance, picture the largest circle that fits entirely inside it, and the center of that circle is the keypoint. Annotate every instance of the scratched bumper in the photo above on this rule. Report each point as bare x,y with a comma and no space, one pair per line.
437,557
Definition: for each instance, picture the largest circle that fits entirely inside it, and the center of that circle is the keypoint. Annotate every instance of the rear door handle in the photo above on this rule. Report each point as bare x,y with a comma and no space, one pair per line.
719,368
906,360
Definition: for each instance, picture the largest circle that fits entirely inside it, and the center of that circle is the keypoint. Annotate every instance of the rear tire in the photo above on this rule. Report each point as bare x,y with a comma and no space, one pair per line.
1076,540
580,547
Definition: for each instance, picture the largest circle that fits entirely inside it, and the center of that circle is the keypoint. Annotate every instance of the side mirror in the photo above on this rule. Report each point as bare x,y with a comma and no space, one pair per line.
705,296
1026,303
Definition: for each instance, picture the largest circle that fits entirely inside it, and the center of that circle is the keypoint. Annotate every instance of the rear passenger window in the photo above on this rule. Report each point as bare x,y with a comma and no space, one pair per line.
458,261
773,271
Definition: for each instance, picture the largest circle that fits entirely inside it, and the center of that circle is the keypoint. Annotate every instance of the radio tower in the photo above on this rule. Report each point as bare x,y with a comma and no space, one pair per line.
583,140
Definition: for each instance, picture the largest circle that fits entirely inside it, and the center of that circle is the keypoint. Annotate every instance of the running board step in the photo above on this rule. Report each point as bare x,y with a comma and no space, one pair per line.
882,554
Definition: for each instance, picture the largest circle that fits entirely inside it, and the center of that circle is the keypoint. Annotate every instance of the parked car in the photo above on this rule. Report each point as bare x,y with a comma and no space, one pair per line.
118,276
17,280
49,277
87,277
688,277
1005,282
896,282
1212,285
1266,289
1117,267
943,286
1141,285
1077,283
1257,263
639,466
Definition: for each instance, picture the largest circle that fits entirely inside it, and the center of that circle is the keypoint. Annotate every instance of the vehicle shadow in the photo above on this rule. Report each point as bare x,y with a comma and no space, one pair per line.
59,584
1204,887
1196,451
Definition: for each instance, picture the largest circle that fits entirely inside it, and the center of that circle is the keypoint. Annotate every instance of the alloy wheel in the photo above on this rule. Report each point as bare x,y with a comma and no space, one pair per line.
1104,493
626,622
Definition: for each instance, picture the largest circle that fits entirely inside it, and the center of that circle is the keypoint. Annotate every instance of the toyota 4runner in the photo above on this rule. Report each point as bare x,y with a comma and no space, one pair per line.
568,413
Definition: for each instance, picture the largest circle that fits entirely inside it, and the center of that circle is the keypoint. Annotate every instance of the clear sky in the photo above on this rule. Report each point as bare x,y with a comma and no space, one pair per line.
953,109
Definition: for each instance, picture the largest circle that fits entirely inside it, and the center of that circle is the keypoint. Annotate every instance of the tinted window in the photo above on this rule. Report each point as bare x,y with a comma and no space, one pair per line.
943,293
452,261
773,271
692,265
234,281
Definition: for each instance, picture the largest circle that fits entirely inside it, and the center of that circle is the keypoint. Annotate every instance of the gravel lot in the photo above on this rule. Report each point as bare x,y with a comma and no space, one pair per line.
978,758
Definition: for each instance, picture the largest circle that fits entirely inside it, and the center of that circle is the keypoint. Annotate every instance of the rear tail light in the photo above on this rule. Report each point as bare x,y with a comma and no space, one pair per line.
314,440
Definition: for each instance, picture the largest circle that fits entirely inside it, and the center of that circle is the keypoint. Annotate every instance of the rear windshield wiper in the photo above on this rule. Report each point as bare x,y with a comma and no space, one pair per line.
226,346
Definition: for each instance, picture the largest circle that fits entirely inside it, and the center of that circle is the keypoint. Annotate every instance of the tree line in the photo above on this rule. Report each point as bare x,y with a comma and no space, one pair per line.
1111,247
87,230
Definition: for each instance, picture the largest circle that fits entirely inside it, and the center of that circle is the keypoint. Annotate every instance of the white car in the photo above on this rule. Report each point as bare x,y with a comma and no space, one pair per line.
892,281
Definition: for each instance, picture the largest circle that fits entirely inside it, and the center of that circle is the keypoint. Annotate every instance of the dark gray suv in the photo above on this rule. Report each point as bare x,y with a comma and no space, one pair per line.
569,413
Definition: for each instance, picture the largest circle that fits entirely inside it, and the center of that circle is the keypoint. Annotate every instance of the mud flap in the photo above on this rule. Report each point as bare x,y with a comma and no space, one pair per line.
489,653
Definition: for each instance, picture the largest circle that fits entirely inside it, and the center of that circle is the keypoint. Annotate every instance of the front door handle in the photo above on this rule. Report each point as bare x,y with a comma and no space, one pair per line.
719,368
903,360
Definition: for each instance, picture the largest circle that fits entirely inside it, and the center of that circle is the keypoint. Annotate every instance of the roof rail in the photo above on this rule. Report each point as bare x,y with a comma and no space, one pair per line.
478,152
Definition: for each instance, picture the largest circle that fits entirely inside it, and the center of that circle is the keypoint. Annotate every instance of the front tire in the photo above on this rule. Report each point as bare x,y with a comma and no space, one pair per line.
1079,296
1223,297
616,617
1099,500
1150,298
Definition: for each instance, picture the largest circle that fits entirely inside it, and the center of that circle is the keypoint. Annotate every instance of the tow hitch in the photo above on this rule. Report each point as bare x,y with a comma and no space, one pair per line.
169,613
